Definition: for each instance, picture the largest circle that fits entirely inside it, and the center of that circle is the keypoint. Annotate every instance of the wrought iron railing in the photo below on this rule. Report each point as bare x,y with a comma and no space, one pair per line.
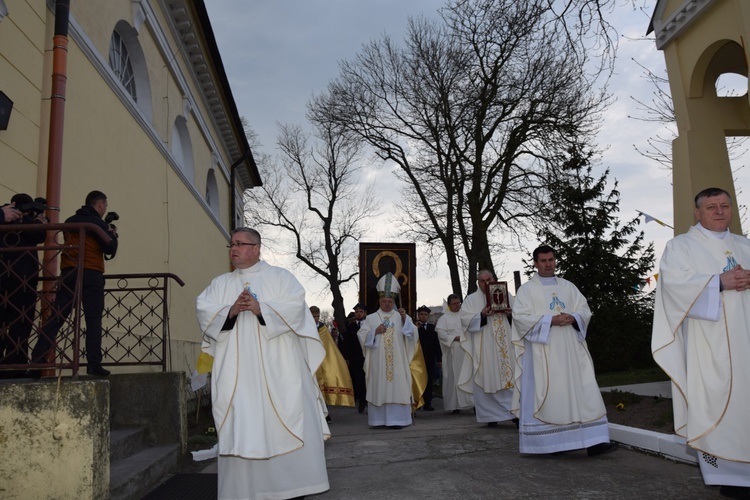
135,322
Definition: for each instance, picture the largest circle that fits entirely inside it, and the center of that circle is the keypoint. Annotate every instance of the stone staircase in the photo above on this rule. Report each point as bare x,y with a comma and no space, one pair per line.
148,431
135,467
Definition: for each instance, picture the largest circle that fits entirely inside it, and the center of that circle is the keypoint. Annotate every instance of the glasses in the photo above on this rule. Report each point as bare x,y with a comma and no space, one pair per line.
241,244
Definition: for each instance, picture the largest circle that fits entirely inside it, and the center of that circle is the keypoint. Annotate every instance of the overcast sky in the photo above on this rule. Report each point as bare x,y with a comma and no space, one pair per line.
277,53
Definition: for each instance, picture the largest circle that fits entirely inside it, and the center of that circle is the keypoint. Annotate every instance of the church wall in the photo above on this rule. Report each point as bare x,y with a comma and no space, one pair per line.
164,226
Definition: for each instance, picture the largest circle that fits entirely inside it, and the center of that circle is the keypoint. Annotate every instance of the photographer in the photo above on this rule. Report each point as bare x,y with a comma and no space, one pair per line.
92,293
19,276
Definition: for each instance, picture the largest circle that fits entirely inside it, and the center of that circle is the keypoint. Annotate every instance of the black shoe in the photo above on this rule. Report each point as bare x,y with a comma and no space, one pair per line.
97,371
456,412
735,491
361,408
602,448
516,422
428,408
328,419
491,424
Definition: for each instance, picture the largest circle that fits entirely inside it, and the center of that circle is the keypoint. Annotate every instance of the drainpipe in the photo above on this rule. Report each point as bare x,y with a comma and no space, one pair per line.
56,125
232,177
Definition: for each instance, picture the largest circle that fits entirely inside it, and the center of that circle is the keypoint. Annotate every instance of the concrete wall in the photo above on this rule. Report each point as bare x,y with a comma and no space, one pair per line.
54,439
155,401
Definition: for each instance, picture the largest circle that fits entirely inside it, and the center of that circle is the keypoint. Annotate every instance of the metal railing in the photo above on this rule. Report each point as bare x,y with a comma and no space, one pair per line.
135,321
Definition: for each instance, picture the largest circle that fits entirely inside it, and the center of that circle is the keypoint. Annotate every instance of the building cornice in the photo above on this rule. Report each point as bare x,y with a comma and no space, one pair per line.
670,28
200,50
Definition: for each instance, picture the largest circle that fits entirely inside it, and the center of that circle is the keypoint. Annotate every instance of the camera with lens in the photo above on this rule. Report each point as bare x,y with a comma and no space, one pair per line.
111,217
33,208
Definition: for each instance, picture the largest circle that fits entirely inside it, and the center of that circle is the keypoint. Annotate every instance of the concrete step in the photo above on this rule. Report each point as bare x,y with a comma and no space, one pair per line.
132,477
125,442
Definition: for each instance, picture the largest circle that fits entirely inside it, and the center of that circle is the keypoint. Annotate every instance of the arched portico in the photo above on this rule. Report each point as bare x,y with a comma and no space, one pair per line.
702,40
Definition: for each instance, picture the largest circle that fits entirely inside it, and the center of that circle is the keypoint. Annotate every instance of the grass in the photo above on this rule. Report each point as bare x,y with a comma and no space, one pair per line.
636,376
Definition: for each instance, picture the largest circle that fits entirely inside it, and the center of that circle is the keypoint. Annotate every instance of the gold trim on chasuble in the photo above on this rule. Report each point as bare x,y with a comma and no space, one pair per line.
388,344
501,343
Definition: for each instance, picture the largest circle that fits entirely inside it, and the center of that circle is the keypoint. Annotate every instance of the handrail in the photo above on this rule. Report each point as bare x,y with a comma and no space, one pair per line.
135,323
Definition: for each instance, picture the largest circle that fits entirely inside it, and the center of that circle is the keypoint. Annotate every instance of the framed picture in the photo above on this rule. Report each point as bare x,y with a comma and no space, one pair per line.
497,295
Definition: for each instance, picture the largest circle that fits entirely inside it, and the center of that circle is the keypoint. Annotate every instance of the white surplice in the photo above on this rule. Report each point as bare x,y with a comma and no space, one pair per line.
267,407
449,327
488,372
701,339
557,398
387,358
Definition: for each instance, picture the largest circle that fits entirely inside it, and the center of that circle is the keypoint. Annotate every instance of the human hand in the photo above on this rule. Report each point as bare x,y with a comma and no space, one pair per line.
402,312
11,213
563,319
244,302
487,311
380,329
735,279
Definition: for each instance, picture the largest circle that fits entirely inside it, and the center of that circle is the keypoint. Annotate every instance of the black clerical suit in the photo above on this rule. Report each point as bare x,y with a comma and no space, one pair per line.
352,352
433,355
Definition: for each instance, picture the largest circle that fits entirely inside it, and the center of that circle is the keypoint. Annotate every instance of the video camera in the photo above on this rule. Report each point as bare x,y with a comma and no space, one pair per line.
110,217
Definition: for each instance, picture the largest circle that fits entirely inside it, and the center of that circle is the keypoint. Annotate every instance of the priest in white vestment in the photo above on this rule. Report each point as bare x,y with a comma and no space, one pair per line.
701,339
557,398
449,330
487,374
389,341
267,407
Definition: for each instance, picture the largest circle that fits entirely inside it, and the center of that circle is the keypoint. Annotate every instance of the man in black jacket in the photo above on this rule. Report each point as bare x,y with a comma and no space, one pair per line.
92,293
431,351
355,358
19,276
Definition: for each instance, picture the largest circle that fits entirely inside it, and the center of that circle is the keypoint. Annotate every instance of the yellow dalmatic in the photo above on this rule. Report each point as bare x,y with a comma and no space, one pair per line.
333,374
418,370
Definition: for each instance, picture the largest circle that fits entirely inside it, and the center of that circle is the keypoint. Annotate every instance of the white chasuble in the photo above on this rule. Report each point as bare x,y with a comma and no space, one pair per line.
261,373
387,359
448,327
708,361
565,389
489,348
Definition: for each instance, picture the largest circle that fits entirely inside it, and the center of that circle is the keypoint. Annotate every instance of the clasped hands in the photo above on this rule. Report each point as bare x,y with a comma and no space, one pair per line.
735,279
245,302
563,319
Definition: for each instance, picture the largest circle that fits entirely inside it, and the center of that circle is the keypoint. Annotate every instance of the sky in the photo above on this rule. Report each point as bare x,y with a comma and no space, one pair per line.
278,53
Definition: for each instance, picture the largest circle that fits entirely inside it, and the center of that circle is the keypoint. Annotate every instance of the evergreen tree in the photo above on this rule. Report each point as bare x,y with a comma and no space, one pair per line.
607,261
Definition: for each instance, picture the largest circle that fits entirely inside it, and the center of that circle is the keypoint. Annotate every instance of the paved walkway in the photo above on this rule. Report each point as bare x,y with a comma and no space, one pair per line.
452,456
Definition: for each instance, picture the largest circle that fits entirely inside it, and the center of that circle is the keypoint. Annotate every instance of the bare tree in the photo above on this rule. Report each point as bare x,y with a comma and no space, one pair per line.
314,201
474,109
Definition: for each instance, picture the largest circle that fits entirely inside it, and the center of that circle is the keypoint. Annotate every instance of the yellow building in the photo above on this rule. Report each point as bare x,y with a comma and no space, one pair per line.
703,40
149,119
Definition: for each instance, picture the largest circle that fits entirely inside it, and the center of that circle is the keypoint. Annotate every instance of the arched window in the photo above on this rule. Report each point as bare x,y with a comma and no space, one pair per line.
182,148
128,63
119,61
212,193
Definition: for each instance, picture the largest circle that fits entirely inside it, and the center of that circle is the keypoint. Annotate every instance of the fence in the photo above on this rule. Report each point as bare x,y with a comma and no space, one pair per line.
135,322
